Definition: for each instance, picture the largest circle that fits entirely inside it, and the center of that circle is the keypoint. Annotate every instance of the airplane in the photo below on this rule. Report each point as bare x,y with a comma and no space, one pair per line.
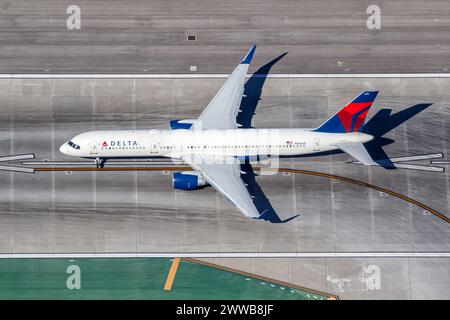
214,145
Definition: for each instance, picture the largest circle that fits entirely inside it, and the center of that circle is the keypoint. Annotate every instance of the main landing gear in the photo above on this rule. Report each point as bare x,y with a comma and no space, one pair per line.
100,162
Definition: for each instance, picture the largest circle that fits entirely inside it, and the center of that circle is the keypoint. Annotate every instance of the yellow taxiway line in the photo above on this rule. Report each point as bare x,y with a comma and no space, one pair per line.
172,273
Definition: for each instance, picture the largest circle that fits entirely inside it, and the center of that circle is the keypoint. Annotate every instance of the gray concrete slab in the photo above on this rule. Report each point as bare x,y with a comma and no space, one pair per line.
429,279
5,177
74,212
142,36
235,233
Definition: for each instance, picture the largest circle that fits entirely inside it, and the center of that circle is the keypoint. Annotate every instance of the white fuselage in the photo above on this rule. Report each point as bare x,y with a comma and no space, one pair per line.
229,142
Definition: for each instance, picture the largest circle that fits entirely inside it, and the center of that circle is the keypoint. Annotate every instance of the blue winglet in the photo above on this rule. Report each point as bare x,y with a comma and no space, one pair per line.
249,56
264,215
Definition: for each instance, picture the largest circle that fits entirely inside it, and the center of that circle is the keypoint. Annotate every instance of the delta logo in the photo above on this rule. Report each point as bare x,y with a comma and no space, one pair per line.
119,143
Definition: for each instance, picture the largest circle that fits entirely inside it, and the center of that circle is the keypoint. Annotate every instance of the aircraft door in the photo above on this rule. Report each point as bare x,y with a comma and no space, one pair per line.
154,141
316,144
94,147
155,147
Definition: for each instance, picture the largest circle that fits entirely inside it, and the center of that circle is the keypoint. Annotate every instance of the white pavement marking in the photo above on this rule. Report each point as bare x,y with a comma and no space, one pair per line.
17,169
418,167
418,157
17,157
214,75
234,255
411,158
108,163
404,166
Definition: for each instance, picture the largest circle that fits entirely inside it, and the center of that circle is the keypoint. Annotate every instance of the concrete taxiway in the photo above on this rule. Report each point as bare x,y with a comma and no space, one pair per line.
151,36
98,212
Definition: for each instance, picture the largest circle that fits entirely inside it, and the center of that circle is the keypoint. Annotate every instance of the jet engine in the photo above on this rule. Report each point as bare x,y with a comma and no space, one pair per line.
181,124
188,180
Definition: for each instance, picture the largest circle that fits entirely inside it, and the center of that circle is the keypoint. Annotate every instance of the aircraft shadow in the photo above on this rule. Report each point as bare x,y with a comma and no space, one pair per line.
252,93
252,96
380,124
383,122
260,200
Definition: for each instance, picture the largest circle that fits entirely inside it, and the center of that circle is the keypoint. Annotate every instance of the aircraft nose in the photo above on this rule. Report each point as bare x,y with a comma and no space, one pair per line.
63,148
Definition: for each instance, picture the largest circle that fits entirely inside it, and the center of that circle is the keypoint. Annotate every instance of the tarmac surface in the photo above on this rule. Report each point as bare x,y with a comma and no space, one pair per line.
109,212
151,36
140,212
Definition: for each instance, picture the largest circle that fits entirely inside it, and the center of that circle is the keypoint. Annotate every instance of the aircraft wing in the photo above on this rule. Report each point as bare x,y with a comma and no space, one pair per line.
222,110
224,174
357,151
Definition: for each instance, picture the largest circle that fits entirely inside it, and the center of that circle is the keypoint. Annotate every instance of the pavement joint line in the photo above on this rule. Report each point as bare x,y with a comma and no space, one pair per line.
297,171
172,273
213,75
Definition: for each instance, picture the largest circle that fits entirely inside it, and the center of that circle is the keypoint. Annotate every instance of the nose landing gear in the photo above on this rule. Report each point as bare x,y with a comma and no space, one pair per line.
100,162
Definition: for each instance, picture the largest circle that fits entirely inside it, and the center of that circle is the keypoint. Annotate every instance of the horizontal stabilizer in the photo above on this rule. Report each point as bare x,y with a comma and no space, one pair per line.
357,151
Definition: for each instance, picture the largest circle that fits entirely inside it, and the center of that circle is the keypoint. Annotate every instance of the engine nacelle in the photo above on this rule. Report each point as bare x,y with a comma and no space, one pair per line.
188,180
181,124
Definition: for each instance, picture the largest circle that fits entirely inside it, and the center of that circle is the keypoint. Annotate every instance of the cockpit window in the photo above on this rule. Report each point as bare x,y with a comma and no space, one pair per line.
73,145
